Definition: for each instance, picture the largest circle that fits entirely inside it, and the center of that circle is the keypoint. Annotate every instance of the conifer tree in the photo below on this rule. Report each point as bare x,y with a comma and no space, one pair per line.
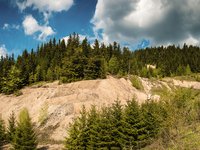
93,130
25,136
135,127
11,127
78,138
13,81
2,133
113,65
71,141
83,137
117,129
105,134
152,119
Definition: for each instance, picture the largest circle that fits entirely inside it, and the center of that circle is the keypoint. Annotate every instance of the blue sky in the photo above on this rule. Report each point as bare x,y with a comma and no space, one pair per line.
134,23
13,37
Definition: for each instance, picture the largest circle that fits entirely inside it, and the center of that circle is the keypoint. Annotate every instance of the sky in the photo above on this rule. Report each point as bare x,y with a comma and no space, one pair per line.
134,23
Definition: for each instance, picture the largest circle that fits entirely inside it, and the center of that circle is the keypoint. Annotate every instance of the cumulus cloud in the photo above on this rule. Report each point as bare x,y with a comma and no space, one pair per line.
3,50
7,26
46,6
31,27
160,21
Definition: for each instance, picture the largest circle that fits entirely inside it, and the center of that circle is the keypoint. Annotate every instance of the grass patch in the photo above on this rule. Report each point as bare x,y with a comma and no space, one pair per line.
18,93
160,90
192,77
136,82
43,114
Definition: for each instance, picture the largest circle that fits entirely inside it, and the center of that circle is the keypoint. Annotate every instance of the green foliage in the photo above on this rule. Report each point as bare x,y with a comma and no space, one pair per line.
135,125
105,125
77,60
93,128
43,114
25,136
117,125
114,127
113,65
78,132
2,133
136,82
12,82
11,127
188,70
71,142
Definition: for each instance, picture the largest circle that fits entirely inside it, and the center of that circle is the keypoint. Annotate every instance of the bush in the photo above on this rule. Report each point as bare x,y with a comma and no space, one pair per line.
136,82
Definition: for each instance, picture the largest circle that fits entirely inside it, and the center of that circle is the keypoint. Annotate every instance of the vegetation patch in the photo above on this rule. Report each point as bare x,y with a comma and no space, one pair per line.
136,82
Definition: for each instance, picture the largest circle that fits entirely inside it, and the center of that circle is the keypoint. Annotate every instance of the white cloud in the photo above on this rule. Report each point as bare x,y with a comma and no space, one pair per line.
31,27
7,26
160,21
191,40
3,50
46,6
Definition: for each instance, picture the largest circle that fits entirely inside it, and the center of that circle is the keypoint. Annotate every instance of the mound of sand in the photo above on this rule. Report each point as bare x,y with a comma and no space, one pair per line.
63,102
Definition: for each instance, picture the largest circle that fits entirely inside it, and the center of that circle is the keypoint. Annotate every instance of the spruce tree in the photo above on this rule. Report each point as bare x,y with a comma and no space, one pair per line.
105,134
13,81
83,137
11,127
71,141
25,136
152,119
134,127
2,133
93,128
117,129
77,133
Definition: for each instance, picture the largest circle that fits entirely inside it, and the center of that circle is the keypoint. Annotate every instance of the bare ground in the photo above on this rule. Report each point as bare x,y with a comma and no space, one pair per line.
63,102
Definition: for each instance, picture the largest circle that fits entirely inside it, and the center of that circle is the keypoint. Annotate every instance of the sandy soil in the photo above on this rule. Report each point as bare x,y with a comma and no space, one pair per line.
63,102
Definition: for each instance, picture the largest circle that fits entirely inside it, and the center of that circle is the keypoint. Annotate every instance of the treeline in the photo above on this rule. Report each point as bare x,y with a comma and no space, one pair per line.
20,135
169,61
76,60
135,126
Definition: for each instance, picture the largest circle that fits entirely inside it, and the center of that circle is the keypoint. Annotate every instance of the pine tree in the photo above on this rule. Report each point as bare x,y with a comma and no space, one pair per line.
117,129
71,141
93,130
113,65
152,119
77,133
83,137
188,70
2,133
105,134
11,127
13,82
25,136
135,127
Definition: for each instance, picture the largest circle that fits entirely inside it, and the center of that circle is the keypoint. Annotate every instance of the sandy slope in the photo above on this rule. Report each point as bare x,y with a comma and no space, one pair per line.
64,101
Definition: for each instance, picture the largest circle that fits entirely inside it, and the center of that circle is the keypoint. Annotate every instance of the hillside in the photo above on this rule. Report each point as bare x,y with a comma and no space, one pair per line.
54,105
64,101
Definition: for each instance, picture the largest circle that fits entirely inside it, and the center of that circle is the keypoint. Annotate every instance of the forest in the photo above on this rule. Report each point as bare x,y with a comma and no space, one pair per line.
76,60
